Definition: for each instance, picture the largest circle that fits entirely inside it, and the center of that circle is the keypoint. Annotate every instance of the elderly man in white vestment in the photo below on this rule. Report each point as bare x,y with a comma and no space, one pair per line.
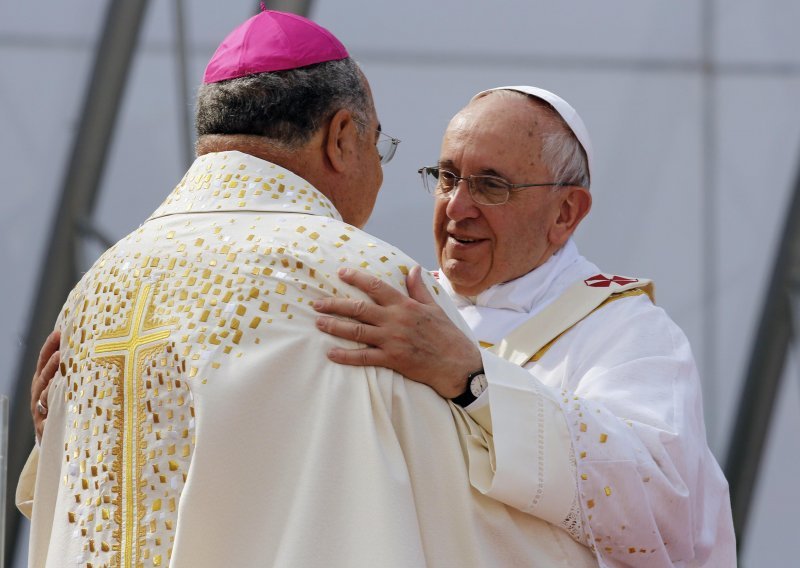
587,393
195,420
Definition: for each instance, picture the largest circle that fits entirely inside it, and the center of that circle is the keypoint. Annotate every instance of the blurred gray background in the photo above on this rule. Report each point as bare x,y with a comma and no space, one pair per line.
692,107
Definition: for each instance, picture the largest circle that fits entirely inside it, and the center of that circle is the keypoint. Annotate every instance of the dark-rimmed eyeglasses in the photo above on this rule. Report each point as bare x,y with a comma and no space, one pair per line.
484,189
386,145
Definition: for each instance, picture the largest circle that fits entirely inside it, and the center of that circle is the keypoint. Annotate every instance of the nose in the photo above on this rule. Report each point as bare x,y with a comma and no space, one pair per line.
460,205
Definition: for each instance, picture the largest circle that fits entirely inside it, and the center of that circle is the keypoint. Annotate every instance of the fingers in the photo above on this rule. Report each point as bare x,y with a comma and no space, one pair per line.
43,399
380,292
354,331
51,345
50,369
361,310
46,368
416,287
368,357
40,414
45,375
40,385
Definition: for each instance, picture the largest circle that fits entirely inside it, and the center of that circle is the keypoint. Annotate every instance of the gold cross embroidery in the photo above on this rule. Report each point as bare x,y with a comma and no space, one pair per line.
127,347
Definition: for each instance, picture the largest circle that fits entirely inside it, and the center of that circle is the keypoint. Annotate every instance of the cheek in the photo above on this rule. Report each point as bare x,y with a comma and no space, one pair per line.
511,237
378,184
439,221
520,242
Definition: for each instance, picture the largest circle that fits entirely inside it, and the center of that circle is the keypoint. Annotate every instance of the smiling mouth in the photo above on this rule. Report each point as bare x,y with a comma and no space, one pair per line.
464,240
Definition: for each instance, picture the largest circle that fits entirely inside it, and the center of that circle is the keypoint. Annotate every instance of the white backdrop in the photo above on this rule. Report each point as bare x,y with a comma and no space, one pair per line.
692,108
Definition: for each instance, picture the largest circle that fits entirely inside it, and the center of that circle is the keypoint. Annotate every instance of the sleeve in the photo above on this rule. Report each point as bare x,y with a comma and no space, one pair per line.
527,454
27,482
614,450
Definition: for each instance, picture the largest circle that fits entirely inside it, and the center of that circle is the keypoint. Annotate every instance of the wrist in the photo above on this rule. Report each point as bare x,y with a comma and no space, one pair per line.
455,387
476,385
460,373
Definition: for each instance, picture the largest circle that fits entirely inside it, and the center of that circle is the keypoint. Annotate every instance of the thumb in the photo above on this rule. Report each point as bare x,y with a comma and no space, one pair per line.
416,287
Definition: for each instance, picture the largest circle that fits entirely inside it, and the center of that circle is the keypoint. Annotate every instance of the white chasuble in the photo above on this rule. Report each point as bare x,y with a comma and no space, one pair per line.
602,432
196,421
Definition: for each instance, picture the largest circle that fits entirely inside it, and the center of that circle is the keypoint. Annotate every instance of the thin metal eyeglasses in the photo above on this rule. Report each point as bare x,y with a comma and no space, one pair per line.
484,189
386,145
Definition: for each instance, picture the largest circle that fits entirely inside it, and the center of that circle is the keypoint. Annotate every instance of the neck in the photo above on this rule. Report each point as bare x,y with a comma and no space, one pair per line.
257,146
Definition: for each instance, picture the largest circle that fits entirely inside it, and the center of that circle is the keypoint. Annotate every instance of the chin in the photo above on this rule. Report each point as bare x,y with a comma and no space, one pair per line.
462,286
357,220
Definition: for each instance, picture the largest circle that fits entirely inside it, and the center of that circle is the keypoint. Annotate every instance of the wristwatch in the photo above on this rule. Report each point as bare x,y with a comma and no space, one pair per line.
476,384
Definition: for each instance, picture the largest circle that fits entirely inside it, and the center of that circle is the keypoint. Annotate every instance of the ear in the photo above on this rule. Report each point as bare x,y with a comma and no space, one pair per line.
341,142
575,203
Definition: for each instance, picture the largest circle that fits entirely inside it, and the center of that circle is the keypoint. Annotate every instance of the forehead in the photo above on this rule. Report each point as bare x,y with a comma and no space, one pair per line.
496,130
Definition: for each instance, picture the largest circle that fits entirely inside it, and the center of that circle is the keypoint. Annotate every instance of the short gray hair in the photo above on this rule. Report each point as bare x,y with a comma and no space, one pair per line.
285,107
561,150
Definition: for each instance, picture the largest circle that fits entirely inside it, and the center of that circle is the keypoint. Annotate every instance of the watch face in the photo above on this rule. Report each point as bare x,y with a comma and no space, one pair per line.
478,385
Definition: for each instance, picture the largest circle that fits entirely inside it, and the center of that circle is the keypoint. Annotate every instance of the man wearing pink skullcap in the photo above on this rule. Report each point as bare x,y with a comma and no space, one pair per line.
195,420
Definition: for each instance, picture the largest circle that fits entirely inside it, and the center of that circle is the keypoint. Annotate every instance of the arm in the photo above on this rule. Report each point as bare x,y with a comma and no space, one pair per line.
634,410
415,337
627,411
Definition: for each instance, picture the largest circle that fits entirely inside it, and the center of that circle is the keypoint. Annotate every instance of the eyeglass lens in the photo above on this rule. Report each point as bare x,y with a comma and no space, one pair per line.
386,149
488,190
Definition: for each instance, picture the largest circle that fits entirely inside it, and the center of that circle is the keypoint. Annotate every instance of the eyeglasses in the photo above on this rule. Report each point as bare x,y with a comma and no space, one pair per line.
386,145
484,189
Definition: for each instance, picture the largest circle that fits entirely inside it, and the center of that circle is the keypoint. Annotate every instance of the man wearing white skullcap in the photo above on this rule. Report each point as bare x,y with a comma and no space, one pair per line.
586,393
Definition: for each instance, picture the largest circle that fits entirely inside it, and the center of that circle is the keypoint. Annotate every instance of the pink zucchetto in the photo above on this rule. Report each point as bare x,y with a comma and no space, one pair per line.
272,41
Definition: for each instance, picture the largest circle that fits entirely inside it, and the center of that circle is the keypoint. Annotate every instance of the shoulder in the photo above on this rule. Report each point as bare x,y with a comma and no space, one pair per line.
326,245
632,325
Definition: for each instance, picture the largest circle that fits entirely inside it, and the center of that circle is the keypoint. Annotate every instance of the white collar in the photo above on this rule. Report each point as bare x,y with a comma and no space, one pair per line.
234,181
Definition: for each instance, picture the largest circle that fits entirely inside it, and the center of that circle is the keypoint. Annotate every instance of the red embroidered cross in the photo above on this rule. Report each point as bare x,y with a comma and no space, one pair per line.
603,281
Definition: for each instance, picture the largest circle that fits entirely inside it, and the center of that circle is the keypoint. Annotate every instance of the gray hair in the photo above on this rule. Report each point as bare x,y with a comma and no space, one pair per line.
561,150
285,107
